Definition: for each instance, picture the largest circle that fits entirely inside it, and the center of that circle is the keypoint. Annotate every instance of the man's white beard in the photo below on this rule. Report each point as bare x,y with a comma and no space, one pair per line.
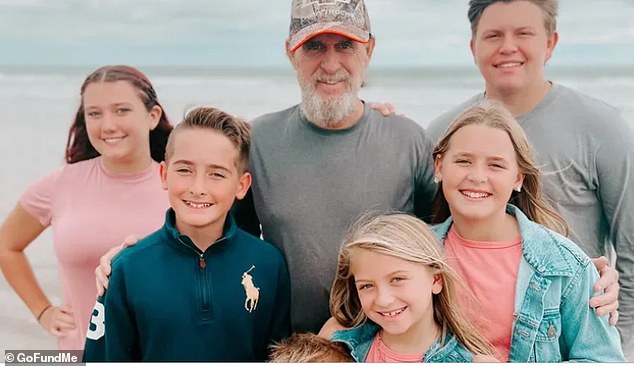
327,112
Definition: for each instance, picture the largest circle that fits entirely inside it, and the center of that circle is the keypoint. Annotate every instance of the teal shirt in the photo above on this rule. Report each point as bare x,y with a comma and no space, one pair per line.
168,301
553,321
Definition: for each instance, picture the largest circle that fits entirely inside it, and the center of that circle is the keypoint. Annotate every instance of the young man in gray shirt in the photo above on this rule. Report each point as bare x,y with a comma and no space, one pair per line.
584,146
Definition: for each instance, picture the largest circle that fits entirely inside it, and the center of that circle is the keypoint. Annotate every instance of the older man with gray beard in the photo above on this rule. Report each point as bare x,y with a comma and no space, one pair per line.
319,165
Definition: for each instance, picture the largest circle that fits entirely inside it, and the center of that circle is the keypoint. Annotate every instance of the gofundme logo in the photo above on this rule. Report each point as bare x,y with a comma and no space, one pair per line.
42,356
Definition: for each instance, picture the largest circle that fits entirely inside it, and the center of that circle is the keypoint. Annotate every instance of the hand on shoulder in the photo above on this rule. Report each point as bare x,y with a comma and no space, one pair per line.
606,299
102,272
385,108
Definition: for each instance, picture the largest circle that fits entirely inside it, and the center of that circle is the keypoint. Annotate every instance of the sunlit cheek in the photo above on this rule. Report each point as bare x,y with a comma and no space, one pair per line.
145,134
359,75
92,130
305,80
149,123
177,184
357,81
365,299
446,188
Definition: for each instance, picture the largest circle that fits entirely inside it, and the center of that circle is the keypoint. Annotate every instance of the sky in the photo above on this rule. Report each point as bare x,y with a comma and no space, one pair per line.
250,33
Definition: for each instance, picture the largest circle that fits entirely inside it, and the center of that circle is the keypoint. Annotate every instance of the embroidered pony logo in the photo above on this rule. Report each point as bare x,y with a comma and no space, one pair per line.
252,292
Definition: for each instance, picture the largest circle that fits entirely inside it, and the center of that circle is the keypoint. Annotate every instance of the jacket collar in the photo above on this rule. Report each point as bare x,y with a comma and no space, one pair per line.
359,340
229,230
540,246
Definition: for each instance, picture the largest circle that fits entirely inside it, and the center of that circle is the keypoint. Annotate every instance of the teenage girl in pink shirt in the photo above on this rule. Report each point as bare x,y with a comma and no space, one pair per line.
108,189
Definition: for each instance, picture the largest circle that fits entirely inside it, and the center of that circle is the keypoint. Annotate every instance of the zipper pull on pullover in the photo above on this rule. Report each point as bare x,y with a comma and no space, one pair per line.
202,262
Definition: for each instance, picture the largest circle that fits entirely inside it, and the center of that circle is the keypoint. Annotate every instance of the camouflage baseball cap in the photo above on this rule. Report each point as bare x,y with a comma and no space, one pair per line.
310,18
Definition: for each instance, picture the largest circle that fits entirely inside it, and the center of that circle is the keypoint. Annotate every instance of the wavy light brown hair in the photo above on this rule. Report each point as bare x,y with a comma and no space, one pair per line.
405,237
237,130
308,347
530,200
78,146
550,9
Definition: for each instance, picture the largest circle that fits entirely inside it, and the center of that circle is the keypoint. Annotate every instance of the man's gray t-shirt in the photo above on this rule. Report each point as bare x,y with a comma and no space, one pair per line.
310,184
585,152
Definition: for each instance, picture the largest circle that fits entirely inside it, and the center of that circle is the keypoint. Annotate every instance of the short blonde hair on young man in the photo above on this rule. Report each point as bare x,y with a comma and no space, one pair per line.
237,130
308,347
405,237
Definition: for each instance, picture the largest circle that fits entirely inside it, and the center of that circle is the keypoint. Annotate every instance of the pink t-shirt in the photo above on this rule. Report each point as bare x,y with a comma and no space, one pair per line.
380,353
92,211
489,269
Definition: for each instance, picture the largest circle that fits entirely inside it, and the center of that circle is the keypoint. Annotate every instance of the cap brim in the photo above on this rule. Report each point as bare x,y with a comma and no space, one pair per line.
353,33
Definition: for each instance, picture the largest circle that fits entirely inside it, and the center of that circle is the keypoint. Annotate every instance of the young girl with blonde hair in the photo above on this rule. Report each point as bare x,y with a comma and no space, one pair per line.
509,245
393,298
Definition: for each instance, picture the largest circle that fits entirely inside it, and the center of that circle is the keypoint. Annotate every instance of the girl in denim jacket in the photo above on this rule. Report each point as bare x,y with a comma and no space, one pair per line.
509,245
395,292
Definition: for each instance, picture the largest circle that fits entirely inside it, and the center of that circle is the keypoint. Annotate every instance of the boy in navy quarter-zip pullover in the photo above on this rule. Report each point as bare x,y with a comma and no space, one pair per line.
219,294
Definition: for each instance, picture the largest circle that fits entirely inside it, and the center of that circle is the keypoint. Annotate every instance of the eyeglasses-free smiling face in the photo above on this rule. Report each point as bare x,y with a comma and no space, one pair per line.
511,47
395,294
118,125
479,172
202,181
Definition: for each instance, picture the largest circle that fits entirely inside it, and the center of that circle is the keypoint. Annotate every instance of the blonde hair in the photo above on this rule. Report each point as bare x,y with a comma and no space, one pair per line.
308,347
237,130
530,200
408,238
549,8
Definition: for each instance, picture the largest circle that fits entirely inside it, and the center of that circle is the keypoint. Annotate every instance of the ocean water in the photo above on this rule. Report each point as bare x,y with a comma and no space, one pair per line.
220,32
37,105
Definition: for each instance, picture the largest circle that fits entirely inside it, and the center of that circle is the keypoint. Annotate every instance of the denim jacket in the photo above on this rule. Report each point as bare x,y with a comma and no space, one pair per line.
553,321
359,340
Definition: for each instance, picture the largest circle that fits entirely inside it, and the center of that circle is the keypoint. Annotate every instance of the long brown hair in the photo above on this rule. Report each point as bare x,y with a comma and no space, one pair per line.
78,146
530,200
405,237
